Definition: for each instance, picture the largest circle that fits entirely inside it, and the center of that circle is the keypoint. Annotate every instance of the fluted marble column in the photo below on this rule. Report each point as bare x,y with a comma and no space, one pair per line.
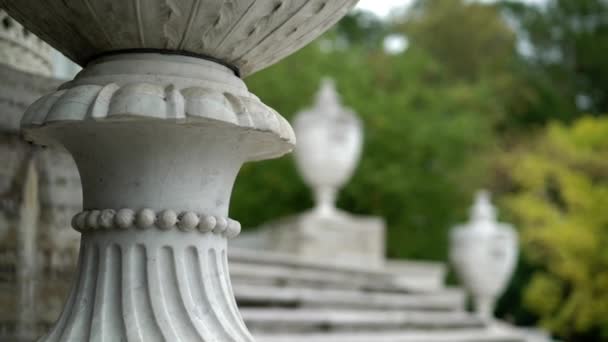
159,123
143,286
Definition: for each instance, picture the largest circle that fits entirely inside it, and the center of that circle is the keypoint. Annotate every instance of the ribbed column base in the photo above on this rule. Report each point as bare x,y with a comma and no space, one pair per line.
151,286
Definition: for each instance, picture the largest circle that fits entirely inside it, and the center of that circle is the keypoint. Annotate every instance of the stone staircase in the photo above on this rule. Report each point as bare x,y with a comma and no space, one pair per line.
286,299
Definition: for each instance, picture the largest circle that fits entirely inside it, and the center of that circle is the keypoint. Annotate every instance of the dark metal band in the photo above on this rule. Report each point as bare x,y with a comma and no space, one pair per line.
170,52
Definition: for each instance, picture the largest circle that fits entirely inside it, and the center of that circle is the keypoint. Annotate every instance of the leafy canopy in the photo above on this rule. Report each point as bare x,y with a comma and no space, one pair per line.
559,198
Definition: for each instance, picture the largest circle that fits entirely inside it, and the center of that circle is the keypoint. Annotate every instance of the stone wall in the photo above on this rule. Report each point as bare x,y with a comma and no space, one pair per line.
39,193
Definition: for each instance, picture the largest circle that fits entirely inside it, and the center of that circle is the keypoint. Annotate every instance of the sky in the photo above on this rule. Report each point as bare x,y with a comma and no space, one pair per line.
398,43
383,7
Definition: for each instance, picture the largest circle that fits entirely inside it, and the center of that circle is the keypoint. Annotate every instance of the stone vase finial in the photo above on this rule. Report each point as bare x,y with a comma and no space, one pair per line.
159,123
484,253
330,139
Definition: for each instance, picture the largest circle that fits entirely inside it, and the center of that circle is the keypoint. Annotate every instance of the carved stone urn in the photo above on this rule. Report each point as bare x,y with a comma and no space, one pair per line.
159,123
330,138
484,253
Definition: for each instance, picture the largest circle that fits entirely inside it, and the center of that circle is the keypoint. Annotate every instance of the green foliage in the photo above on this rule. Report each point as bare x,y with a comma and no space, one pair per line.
567,43
558,197
474,43
424,135
471,39
438,115
362,29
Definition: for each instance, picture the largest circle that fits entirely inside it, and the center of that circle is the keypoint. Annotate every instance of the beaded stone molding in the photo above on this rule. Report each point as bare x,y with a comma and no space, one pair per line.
106,219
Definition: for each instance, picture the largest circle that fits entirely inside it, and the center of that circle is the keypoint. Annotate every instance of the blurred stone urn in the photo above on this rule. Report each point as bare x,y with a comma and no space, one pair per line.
484,253
330,138
159,122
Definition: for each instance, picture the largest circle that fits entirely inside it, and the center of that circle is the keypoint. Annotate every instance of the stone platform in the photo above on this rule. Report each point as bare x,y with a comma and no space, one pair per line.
343,238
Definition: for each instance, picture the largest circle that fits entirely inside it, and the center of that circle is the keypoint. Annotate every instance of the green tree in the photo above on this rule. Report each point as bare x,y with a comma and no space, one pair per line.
558,194
474,43
566,43
470,39
424,134
362,28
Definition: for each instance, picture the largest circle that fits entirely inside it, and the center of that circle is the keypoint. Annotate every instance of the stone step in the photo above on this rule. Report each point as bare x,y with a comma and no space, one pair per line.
278,268
254,295
259,274
314,320
459,335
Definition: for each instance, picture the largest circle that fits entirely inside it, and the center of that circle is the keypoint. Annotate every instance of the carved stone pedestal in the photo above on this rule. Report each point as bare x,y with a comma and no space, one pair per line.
341,238
159,123
158,155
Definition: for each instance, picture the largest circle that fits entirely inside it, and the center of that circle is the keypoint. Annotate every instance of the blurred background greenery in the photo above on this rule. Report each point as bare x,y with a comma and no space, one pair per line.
456,95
